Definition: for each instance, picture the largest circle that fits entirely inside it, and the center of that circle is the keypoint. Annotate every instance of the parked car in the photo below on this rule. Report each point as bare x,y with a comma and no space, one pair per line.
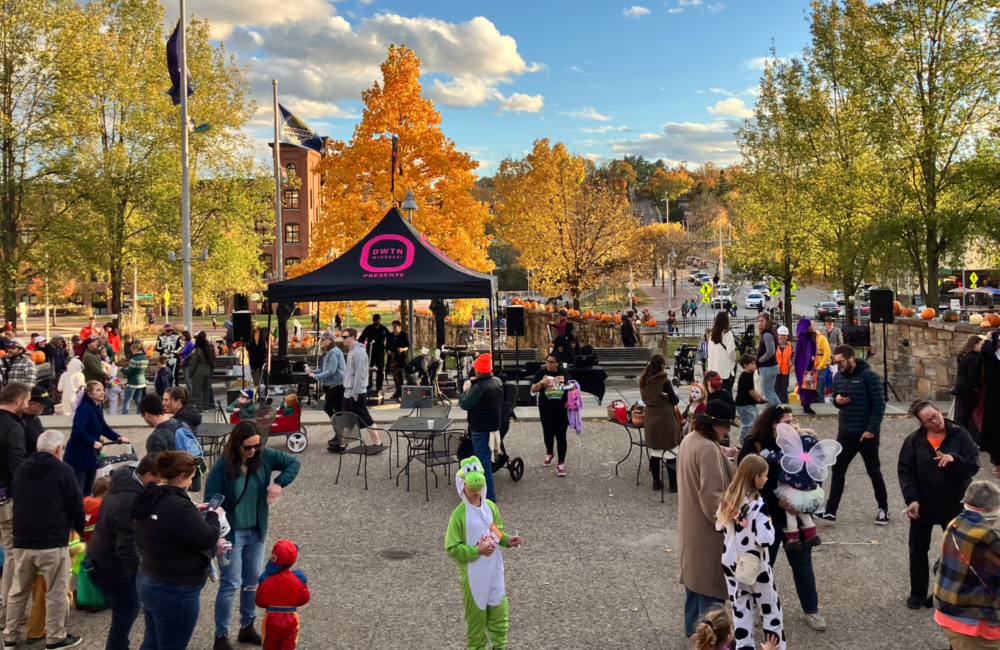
722,299
837,296
754,298
695,276
763,290
827,308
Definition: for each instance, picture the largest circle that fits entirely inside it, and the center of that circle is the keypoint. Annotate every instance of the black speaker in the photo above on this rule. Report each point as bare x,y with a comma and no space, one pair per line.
515,320
242,324
881,305
858,336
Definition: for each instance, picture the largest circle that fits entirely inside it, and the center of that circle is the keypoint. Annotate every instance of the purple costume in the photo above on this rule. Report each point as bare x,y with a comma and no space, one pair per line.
805,355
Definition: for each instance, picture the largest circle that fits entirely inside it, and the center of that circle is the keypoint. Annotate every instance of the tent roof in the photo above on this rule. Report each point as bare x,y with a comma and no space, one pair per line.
392,262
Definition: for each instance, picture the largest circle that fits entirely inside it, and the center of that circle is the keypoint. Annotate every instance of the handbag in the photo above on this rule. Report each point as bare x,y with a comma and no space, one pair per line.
747,568
810,378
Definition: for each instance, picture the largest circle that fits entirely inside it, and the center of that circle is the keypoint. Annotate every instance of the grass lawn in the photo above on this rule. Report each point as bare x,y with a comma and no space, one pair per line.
613,299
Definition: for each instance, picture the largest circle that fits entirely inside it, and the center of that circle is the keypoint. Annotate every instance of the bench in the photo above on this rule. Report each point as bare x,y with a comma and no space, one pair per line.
629,362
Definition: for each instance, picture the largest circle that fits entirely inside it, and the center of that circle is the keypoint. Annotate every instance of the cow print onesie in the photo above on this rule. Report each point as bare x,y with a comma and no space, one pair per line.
751,532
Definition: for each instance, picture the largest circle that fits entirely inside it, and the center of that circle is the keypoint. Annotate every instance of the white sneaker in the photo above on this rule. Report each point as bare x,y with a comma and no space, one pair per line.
816,622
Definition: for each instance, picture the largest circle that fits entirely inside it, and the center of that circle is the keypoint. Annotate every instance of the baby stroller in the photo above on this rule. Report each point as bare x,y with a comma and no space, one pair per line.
514,465
684,359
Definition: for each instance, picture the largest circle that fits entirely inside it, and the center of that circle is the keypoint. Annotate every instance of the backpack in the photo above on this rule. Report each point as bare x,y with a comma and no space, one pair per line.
184,440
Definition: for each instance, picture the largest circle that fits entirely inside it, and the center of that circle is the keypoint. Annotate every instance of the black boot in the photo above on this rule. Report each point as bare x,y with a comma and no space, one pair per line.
249,635
222,643
654,469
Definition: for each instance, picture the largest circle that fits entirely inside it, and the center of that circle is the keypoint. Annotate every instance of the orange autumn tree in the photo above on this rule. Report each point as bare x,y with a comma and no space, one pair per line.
356,192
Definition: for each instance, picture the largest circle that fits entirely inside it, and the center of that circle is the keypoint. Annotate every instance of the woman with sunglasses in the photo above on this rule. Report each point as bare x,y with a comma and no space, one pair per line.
243,476
761,437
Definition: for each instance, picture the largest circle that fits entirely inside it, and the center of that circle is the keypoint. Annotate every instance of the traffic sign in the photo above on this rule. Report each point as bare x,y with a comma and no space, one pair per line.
706,290
704,298
775,285
974,278
145,296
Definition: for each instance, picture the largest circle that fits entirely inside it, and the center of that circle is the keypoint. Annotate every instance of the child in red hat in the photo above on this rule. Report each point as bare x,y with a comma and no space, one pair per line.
281,591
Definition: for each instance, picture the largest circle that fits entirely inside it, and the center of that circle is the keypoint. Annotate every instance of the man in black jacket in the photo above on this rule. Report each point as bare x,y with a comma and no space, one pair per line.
482,397
40,400
112,557
49,504
13,400
857,392
375,336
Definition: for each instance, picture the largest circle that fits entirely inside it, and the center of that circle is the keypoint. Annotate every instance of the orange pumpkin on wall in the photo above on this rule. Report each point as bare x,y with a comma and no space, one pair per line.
897,308
994,319
908,312
38,356
651,322
618,319
927,313
605,318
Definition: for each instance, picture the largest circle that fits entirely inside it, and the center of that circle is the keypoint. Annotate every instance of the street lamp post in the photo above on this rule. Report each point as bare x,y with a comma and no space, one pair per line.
409,204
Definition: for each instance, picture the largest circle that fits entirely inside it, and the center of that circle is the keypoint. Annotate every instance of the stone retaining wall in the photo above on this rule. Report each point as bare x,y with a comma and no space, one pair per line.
922,355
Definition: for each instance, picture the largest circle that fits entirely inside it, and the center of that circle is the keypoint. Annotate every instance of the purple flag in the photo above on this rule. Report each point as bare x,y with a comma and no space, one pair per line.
174,67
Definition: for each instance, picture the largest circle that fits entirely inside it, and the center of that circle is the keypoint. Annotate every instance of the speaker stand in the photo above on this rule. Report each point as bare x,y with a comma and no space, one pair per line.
886,386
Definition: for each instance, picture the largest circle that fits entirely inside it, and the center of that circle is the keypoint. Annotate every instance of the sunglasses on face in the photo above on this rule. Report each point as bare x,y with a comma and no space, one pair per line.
251,447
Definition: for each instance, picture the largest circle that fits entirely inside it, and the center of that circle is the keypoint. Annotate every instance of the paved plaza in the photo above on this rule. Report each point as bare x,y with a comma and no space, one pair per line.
598,568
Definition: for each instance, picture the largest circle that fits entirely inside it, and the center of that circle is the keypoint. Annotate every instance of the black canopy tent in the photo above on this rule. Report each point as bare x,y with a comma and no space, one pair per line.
392,262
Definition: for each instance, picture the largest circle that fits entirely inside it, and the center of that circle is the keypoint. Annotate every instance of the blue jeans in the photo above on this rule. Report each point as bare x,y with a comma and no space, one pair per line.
171,612
821,387
118,588
132,393
245,566
695,607
802,572
481,448
85,478
748,415
767,378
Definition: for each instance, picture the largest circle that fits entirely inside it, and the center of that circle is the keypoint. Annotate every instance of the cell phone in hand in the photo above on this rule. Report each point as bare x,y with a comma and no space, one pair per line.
214,503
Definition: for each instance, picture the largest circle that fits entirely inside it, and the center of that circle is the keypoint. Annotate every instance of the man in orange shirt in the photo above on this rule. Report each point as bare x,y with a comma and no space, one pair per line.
90,329
784,355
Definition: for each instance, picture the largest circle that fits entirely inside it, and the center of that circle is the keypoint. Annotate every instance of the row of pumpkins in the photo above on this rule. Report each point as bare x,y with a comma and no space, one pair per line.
950,316
603,317
37,356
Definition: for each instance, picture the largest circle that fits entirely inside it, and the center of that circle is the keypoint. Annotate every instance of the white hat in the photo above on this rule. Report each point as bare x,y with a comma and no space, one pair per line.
782,331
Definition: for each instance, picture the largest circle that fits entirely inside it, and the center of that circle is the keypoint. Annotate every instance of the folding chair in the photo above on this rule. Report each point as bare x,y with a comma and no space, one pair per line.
442,450
347,429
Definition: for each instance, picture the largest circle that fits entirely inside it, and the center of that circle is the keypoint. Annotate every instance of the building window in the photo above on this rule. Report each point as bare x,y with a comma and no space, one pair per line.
291,201
291,261
266,260
291,233
290,168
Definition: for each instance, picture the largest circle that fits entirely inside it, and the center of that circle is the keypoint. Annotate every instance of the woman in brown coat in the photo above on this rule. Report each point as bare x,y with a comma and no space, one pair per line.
703,474
663,429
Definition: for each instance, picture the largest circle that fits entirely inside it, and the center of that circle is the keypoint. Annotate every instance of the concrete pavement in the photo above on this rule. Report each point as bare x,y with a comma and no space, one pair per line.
598,569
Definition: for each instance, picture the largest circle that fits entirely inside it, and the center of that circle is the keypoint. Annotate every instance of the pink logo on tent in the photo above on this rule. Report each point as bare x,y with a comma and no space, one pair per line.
387,254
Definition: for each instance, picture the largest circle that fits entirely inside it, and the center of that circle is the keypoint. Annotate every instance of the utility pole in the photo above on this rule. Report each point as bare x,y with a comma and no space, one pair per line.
277,185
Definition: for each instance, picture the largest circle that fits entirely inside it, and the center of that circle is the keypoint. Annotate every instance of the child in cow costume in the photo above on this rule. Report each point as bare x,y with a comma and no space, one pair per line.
281,591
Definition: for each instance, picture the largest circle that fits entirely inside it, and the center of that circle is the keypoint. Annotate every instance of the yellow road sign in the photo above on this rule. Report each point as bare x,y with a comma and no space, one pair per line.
974,278
704,298
706,290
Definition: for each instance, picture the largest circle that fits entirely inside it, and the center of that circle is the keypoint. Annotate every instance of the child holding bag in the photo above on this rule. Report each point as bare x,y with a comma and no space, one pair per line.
748,532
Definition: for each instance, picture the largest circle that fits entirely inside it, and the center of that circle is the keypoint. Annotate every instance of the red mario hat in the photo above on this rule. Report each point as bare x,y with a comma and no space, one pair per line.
285,553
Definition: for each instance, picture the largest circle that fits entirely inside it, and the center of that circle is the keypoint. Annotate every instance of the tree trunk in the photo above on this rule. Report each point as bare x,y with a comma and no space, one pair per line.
115,299
848,305
576,302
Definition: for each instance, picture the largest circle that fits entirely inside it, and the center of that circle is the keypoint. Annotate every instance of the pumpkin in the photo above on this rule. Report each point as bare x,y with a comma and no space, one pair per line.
295,338
548,307
651,322
3,353
908,312
618,319
38,356
587,314
994,320
605,318
150,350
927,313
897,308
293,344
976,319
950,316
515,301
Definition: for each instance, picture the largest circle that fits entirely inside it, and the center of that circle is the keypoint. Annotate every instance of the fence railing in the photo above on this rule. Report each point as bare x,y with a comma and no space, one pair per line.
696,326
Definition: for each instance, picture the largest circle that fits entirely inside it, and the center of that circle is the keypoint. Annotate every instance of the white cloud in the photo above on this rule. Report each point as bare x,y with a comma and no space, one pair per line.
689,3
586,113
573,68
696,143
761,62
635,11
731,106
755,91
700,92
224,15
721,91
519,103
593,157
605,129
675,10
718,6
330,60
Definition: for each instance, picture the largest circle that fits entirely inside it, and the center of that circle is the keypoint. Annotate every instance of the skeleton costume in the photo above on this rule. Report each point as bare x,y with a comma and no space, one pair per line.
751,532
481,577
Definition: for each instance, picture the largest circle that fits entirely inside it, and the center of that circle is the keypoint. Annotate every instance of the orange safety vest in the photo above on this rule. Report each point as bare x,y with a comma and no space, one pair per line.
784,358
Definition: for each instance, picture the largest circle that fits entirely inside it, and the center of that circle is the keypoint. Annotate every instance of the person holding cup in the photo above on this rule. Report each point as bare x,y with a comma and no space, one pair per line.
482,397
547,384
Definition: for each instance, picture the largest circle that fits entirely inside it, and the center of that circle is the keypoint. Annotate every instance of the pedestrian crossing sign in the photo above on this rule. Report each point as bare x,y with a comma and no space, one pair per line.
775,285
706,290
974,278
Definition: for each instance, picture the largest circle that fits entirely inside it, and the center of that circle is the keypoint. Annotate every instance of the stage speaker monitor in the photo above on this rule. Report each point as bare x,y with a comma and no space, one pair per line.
515,320
242,325
881,305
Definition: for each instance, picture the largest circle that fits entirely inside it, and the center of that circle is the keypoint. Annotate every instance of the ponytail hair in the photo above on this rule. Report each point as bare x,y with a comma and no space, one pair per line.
742,487
713,630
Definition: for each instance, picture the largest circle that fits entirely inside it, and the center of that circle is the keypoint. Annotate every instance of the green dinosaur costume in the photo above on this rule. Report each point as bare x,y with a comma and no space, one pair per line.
481,577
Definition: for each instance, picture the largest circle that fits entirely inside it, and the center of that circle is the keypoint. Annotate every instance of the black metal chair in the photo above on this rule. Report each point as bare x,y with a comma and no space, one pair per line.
347,429
442,450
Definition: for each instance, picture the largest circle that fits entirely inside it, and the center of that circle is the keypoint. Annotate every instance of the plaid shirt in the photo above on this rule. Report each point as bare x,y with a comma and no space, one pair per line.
961,592
22,369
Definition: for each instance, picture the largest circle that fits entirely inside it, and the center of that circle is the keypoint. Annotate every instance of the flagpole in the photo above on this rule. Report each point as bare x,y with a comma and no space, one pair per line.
185,177
277,185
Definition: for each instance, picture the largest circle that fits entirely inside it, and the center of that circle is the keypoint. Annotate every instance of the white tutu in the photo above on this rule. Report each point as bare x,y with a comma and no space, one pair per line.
805,502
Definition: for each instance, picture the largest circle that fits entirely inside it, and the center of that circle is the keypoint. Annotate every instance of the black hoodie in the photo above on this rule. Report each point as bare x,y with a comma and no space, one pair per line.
175,542
48,504
190,417
112,545
12,448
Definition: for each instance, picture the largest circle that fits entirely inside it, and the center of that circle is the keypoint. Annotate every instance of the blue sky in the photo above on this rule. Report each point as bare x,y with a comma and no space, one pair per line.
668,79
